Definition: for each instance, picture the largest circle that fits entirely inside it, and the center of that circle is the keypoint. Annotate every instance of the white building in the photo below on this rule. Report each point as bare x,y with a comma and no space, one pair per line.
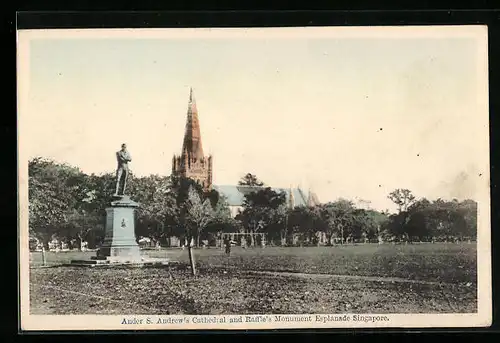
235,196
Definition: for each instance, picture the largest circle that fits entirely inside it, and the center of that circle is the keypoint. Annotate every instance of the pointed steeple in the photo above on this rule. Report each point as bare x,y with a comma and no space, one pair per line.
312,199
192,101
309,199
291,200
192,147
192,163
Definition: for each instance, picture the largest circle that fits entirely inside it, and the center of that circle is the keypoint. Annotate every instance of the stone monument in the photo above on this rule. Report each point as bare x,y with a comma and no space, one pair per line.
119,240
120,245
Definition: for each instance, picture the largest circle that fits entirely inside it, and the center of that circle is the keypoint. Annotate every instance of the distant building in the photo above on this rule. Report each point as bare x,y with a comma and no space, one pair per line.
362,204
235,196
192,163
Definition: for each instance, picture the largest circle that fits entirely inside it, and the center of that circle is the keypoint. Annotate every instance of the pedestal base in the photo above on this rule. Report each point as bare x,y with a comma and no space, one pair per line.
120,246
124,251
119,240
120,262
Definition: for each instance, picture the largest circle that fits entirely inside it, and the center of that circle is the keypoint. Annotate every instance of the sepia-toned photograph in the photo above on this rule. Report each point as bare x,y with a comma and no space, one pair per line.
254,178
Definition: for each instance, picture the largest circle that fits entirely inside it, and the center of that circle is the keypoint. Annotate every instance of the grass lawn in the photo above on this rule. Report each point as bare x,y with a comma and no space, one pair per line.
227,285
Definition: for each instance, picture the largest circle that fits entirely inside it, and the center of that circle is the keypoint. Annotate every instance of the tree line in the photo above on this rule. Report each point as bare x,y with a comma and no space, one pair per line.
69,205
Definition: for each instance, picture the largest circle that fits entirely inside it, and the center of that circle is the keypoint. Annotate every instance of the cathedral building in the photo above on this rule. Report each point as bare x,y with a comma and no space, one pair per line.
192,163
235,196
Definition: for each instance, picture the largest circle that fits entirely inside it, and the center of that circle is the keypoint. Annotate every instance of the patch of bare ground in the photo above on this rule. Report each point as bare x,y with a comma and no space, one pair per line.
66,290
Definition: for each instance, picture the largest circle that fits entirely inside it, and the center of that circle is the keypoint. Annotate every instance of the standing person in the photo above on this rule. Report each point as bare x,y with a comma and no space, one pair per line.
227,244
123,157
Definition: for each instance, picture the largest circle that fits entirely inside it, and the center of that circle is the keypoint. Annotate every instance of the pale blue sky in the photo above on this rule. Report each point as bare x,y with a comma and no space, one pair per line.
293,111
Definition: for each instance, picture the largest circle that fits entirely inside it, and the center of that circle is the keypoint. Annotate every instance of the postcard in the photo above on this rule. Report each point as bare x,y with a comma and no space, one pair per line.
254,178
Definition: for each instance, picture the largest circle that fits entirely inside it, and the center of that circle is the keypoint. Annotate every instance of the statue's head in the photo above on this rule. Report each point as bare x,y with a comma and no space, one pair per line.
124,146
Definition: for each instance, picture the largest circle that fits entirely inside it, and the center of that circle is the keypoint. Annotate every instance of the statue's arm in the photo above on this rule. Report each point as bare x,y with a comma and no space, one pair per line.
122,157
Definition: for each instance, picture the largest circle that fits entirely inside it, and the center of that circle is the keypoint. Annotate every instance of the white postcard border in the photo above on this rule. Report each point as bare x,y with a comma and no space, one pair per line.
103,322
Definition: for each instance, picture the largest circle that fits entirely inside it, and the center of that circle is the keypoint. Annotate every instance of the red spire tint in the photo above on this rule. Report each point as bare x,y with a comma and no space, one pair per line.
192,146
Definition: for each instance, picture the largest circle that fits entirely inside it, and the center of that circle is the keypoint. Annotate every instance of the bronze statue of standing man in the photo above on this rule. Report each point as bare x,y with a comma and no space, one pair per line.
123,158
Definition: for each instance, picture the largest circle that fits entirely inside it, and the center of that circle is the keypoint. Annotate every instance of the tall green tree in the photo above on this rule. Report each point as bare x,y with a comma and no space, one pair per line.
199,215
305,222
468,209
158,212
439,219
363,225
338,216
221,221
54,192
221,214
263,212
403,198
101,188
181,187
250,180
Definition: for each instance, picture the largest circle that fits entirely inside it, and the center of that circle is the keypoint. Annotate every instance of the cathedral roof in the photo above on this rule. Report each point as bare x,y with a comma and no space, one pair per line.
235,195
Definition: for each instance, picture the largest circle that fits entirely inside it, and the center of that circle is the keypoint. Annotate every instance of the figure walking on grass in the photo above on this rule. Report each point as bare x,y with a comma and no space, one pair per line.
227,245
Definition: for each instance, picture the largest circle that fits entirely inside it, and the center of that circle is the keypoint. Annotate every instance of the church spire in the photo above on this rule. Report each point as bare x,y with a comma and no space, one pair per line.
192,147
312,199
291,200
192,163
192,101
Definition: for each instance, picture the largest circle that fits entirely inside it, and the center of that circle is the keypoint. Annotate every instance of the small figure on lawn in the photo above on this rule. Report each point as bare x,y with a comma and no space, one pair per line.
227,245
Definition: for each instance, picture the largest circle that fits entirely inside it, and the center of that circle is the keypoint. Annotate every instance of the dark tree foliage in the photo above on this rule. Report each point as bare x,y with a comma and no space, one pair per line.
438,220
263,211
69,205
250,180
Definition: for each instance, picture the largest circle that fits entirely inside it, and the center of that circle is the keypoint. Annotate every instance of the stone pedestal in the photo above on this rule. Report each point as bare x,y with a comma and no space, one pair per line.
119,241
120,247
